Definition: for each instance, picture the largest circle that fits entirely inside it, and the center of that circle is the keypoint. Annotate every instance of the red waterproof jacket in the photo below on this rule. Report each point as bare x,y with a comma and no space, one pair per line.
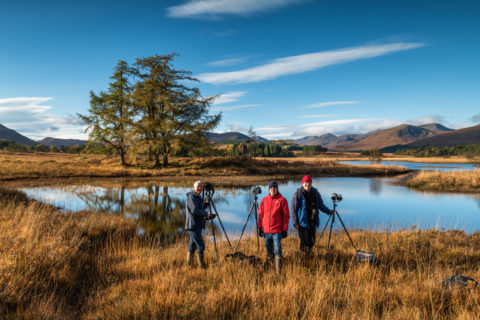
273,214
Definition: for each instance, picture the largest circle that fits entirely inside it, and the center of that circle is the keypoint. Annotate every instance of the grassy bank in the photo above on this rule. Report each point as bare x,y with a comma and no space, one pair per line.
455,181
90,266
16,166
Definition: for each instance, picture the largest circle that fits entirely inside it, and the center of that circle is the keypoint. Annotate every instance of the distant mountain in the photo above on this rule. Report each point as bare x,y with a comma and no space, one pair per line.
465,136
230,137
322,140
435,127
346,139
9,134
61,142
399,135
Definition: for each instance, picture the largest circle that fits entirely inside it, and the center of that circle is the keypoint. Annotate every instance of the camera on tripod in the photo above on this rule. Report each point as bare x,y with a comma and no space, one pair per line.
257,190
336,197
208,187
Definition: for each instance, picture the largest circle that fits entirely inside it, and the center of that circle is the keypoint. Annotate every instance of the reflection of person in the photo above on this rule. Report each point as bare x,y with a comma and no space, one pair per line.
273,217
306,204
195,222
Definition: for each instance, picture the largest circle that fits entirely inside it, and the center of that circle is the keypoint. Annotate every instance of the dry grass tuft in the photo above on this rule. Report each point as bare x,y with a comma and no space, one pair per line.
455,181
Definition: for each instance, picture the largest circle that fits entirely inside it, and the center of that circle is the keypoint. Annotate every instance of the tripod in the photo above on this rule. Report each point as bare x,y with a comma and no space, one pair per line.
207,195
331,219
253,209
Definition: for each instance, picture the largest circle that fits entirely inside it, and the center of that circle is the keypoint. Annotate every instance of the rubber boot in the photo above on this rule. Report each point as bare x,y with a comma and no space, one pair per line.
308,253
200,260
278,265
190,259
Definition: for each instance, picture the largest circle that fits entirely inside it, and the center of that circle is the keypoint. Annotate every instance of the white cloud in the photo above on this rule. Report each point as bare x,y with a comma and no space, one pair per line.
226,62
329,103
215,8
475,118
233,127
312,116
426,120
229,97
304,63
27,116
231,108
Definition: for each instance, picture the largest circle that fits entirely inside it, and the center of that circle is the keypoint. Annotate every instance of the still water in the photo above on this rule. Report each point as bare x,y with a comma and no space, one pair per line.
368,203
418,165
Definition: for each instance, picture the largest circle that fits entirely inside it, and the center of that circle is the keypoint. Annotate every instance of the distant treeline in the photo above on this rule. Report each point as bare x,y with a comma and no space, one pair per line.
470,151
13,146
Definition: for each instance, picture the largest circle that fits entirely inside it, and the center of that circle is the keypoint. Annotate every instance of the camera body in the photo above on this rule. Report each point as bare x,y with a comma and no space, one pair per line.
336,197
208,187
257,190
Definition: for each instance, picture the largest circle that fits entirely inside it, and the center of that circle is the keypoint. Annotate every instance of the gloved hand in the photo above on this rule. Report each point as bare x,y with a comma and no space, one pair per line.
260,232
331,212
211,216
284,234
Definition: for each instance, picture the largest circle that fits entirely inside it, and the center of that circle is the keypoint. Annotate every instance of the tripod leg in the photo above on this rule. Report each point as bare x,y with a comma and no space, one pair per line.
330,233
221,224
325,226
346,231
243,230
213,233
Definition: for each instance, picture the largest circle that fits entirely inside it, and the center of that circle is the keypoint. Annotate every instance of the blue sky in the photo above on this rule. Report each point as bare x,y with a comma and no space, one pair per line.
288,68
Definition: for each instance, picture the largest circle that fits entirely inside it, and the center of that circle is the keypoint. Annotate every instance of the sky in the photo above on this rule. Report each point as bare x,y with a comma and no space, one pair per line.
286,68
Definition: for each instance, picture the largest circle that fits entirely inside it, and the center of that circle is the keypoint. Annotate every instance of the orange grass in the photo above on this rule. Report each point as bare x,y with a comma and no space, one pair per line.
92,266
22,166
454,181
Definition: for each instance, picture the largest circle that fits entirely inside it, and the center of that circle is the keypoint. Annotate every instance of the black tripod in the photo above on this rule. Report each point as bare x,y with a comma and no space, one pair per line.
253,209
208,192
331,218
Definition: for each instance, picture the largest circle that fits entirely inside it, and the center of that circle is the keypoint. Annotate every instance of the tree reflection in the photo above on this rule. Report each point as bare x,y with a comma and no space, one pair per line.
155,211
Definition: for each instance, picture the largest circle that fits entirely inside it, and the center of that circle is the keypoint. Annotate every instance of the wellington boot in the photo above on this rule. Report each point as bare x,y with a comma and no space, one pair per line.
200,260
190,259
278,265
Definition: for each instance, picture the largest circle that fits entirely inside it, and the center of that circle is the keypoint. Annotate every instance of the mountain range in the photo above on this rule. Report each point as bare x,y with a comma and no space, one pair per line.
389,140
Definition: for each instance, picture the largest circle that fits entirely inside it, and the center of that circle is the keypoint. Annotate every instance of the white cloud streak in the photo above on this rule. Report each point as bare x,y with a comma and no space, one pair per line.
231,108
313,116
305,62
225,62
229,97
27,116
326,104
216,8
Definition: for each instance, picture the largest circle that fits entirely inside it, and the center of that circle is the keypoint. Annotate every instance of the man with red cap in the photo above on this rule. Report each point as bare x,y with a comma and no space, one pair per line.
273,218
306,204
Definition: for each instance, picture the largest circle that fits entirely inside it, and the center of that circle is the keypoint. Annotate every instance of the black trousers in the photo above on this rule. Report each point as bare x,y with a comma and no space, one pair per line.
307,237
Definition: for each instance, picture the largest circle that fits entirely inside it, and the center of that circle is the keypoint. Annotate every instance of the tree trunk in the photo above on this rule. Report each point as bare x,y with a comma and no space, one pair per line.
157,160
165,159
122,157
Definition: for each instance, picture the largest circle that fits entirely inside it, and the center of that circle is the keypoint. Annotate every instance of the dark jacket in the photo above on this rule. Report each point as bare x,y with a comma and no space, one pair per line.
195,212
299,210
273,214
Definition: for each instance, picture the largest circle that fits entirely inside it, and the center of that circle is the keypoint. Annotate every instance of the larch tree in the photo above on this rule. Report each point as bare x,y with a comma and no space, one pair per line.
109,119
167,112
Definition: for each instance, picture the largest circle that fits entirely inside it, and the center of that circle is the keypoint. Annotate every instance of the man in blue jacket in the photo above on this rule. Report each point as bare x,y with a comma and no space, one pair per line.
306,204
195,222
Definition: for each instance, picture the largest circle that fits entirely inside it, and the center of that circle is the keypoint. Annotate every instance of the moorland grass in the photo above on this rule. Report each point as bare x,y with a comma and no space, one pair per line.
90,266
453,181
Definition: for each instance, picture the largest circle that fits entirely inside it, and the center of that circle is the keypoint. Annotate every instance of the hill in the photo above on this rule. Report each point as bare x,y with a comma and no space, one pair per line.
399,135
62,142
436,127
465,136
12,135
230,137
322,140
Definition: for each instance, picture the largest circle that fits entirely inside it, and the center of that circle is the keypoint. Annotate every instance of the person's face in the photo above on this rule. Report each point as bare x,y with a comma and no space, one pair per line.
273,191
198,188
307,185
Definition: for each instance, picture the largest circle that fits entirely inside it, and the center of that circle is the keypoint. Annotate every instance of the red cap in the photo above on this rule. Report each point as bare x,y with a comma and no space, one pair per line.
306,179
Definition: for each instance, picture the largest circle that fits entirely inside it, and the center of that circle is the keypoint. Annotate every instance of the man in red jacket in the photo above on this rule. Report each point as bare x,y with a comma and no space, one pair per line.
273,218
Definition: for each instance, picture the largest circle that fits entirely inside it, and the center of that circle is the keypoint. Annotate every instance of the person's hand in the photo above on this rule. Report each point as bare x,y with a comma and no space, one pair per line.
331,212
284,234
296,226
260,232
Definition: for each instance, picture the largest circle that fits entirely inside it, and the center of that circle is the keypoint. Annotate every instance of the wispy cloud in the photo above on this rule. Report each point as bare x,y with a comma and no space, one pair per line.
217,8
313,116
305,62
28,116
325,104
426,120
231,108
475,118
229,97
226,62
